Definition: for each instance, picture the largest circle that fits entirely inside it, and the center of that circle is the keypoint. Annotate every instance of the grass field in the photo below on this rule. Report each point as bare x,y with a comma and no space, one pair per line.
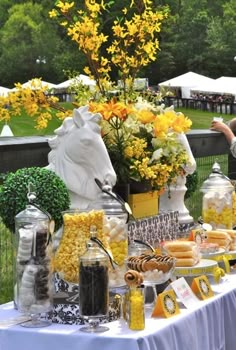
25,125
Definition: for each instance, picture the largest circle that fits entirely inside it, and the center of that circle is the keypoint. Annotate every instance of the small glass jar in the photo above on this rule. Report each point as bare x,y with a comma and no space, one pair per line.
136,312
116,230
93,282
34,285
217,201
138,248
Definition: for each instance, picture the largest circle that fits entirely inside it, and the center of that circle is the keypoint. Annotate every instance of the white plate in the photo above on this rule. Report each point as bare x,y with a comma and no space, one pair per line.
204,267
221,251
231,253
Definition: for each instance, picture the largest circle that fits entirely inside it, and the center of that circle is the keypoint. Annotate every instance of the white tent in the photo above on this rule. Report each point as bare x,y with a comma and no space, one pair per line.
3,91
218,87
83,79
38,83
230,81
186,82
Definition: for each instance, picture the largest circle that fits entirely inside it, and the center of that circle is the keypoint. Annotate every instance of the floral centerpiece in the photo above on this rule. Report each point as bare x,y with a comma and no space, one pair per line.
142,142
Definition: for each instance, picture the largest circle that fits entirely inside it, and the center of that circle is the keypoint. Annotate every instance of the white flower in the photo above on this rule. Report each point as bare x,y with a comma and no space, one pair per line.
157,154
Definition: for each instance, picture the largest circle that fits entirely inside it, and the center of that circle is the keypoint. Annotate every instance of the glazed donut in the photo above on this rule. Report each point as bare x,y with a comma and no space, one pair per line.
133,278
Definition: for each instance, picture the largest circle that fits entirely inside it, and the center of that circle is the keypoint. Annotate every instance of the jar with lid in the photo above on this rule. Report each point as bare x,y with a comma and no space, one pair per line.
116,229
34,285
137,248
217,199
93,284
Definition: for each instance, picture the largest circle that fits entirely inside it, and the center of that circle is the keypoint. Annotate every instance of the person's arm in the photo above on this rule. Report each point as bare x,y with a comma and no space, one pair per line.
225,129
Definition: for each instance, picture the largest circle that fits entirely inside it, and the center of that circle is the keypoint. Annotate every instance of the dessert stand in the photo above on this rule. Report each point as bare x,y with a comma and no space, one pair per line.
203,267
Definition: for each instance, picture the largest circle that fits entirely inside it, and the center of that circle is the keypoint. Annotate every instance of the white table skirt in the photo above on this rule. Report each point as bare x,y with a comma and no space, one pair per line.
210,326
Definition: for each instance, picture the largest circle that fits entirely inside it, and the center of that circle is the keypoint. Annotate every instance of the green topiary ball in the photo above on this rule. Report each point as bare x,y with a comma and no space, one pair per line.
51,192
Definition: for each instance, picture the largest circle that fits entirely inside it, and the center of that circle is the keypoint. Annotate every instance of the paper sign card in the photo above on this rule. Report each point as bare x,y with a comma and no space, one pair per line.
202,288
166,305
184,292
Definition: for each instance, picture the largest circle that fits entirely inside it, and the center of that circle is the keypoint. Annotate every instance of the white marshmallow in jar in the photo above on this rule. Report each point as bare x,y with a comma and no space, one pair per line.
34,283
217,200
115,229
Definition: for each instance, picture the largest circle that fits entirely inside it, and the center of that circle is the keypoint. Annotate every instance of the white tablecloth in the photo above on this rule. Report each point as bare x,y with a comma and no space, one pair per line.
209,326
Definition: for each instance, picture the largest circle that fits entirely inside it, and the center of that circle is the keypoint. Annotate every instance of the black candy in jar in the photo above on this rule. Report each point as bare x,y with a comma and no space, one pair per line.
93,290
93,280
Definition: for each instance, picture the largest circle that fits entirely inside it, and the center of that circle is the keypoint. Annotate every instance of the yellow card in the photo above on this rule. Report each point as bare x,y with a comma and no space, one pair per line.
166,305
202,288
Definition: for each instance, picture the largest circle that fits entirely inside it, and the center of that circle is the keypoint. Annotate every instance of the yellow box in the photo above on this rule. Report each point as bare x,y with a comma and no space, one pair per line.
143,204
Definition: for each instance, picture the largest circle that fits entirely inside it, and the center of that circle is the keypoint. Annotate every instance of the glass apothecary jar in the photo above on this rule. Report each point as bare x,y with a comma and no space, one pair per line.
93,285
34,285
217,199
137,248
116,230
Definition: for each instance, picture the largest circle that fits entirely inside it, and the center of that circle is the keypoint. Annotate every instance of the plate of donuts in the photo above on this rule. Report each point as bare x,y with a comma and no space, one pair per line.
155,268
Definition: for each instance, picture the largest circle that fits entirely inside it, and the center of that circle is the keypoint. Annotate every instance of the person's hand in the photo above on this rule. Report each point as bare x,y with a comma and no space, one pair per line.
219,126
224,128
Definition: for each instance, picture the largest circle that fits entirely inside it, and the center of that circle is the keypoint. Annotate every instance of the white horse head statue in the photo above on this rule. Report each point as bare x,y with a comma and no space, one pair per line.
78,156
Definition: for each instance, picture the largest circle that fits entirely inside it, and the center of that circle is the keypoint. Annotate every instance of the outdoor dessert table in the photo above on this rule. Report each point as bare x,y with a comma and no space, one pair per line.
209,326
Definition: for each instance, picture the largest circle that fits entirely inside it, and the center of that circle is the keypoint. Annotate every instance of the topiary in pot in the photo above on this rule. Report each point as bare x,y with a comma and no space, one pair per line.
51,192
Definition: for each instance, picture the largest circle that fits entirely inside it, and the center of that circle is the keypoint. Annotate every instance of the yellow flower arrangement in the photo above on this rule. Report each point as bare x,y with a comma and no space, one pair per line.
143,145
131,44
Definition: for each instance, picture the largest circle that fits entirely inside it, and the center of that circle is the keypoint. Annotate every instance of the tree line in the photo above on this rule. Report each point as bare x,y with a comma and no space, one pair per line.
198,35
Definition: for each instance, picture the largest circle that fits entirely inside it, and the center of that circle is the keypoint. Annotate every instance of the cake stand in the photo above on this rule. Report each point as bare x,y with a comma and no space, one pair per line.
203,267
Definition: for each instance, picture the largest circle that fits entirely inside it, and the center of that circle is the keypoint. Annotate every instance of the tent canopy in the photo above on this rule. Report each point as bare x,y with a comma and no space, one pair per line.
37,83
82,79
3,91
186,81
219,86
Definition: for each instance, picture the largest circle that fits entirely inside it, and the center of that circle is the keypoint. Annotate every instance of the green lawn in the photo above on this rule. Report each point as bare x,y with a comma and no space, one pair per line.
200,119
25,125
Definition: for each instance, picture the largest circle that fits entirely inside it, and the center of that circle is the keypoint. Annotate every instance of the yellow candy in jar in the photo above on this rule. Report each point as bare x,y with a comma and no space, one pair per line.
119,251
136,309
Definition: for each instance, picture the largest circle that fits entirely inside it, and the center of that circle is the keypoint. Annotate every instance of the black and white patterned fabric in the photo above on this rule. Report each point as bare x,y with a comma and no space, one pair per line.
155,229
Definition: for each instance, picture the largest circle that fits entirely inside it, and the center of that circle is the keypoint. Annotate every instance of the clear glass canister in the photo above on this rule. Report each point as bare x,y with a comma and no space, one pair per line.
116,230
138,248
34,286
217,201
136,302
93,282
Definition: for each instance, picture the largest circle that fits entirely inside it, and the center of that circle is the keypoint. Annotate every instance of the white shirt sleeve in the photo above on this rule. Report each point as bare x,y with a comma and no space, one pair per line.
233,147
